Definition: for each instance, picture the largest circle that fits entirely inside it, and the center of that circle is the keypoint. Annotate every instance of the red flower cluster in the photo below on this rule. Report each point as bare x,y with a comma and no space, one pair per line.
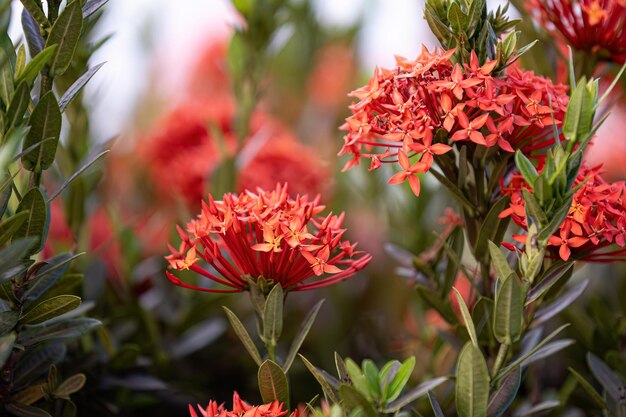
400,110
241,409
596,219
594,26
267,235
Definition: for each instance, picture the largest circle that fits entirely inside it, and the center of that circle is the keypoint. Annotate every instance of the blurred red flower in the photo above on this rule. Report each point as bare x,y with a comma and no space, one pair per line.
265,235
594,26
596,219
242,409
400,111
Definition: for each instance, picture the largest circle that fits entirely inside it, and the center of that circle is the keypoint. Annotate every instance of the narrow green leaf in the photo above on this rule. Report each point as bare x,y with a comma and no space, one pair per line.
36,12
467,318
501,400
579,115
10,225
65,32
499,262
551,277
533,209
561,303
17,108
45,122
76,174
51,308
342,373
34,67
490,226
273,315
92,6
508,311
454,191
78,85
609,380
49,274
547,350
371,377
434,404
520,360
30,395
526,168
399,381
302,333
68,329
590,390
328,391
357,377
70,386
472,383
8,320
458,20
355,400
6,347
414,394
37,223
243,335
541,407
32,32
438,303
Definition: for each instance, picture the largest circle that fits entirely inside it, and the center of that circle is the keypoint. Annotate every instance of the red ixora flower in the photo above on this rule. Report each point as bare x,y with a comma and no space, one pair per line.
241,409
265,235
400,111
596,219
595,26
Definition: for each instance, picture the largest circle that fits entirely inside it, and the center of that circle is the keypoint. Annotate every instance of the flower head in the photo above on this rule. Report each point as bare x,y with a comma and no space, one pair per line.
597,27
401,112
596,218
241,409
266,235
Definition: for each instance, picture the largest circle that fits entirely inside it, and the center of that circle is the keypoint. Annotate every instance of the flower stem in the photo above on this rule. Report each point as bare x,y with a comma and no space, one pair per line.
502,351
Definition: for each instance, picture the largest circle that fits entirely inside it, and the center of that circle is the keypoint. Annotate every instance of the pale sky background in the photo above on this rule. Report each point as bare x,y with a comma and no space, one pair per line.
391,27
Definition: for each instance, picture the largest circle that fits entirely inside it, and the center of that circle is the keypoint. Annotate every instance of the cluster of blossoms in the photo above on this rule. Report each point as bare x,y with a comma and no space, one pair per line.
400,111
266,235
597,27
596,219
241,409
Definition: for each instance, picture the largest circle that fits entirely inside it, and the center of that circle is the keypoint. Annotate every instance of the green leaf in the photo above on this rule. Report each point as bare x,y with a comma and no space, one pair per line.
6,77
37,223
23,410
526,168
609,380
70,386
490,226
75,88
562,302
454,191
34,363
458,20
6,347
50,308
76,174
30,395
555,222
520,360
357,377
35,10
472,384
243,335
51,271
302,333
68,329
8,320
32,32
17,108
579,115
399,381
273,315
355,400
45,122
550,277
414,394
10,225
12,258
371,377
328,391
533,209
590,390
499,262
342,373
36,64
434,404
92,6
65,32
501,400
467,318
508,311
